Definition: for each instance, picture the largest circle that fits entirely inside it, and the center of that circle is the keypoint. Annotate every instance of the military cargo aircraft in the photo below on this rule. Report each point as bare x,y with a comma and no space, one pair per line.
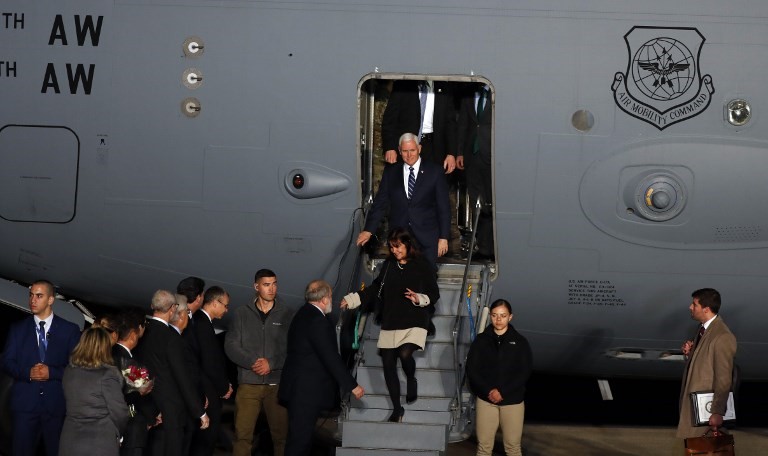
143,142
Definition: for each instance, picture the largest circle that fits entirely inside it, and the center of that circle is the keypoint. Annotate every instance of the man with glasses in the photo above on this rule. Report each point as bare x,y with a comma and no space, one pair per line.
213,368
257,343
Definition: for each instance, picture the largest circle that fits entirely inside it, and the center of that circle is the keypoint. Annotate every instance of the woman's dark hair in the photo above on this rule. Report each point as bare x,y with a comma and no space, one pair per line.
501,302
402,236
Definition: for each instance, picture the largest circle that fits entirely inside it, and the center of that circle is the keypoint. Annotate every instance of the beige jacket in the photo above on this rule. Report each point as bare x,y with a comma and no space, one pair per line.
709,368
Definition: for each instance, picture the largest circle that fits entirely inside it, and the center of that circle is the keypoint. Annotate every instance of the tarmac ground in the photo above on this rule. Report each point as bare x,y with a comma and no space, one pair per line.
540,439
565,416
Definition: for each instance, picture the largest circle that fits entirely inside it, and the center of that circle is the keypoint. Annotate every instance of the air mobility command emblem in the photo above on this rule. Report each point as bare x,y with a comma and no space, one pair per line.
663,84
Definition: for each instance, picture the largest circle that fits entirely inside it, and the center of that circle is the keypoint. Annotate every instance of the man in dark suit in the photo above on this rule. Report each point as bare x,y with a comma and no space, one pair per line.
213,368
161,350
130,328
36,352
423,210
709,365
426,109
313,370
192,289
474,139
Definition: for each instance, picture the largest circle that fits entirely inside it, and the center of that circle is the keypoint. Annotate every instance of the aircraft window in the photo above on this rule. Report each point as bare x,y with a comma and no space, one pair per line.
583,120
373,97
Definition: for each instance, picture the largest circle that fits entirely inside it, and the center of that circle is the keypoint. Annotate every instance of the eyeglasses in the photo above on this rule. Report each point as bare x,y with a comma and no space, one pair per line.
225,305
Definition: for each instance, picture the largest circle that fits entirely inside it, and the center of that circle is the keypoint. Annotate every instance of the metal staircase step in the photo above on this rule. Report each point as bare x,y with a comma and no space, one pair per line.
436,383
378,415
381,401
397,436
436,355
384,452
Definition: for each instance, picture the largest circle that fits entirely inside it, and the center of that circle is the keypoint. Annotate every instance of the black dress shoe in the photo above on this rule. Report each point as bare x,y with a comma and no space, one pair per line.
397,416
412,391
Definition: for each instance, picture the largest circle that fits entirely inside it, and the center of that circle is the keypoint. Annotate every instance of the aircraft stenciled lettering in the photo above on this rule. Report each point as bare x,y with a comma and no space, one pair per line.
662,70
12,20
84,28
7,69
77,74
593,293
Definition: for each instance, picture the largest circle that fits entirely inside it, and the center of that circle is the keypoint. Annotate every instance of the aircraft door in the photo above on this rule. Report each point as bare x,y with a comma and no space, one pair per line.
461,142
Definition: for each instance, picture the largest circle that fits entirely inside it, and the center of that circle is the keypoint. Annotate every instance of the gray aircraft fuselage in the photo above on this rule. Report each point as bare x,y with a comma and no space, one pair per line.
142,142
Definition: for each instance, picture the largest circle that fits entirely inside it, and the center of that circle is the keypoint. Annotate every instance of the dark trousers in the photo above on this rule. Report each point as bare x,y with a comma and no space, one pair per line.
301,428
27,429
135,437
478,175
168,439
204,440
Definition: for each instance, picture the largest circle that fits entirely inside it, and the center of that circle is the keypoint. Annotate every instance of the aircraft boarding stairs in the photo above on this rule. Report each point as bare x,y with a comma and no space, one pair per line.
442,412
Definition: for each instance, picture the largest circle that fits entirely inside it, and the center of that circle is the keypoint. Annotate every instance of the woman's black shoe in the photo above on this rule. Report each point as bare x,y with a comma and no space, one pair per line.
397,416
412,391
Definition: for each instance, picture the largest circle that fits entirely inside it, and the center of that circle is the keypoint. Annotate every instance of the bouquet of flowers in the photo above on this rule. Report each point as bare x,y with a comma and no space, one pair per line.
137,378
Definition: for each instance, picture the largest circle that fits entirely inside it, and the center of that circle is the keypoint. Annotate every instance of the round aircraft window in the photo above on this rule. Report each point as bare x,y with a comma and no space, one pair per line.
738,112
583,120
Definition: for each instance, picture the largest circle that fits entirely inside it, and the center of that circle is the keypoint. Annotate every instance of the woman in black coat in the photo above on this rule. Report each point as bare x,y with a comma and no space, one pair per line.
408,288
498,366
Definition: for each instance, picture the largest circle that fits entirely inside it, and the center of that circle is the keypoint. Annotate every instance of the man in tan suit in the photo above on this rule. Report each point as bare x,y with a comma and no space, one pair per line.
709,365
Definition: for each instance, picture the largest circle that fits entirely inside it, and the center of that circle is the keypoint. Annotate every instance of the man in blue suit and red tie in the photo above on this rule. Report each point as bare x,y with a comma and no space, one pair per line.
416,194
36,352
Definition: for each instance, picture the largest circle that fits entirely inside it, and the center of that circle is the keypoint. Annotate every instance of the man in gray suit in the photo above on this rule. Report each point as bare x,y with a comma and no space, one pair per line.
709,365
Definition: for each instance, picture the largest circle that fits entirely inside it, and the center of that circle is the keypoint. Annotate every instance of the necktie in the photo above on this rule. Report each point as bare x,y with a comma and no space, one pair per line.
480,103
423,89
480,108
698,337
42,342
411,182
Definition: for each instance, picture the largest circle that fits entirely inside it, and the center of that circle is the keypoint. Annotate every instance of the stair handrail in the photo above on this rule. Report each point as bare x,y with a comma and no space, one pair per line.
456,402
359,355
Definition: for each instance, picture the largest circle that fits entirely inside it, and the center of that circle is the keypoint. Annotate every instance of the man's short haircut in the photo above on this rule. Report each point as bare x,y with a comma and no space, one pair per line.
191,287
213,294
183,309
405,137
162,301
317,290
45,283
261,273
130,319
708,297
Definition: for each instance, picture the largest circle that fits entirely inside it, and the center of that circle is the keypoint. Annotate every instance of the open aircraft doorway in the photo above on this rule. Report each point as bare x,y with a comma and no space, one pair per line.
462,142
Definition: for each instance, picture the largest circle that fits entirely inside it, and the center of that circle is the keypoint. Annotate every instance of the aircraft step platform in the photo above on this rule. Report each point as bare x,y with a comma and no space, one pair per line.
393,436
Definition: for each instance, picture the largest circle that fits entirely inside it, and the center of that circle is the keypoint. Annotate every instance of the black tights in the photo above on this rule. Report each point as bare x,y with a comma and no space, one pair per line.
389,358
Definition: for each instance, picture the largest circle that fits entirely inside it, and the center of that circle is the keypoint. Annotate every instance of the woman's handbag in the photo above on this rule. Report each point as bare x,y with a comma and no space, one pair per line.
712,443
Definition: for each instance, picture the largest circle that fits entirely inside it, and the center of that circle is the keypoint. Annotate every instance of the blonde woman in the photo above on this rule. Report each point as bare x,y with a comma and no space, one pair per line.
93,389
